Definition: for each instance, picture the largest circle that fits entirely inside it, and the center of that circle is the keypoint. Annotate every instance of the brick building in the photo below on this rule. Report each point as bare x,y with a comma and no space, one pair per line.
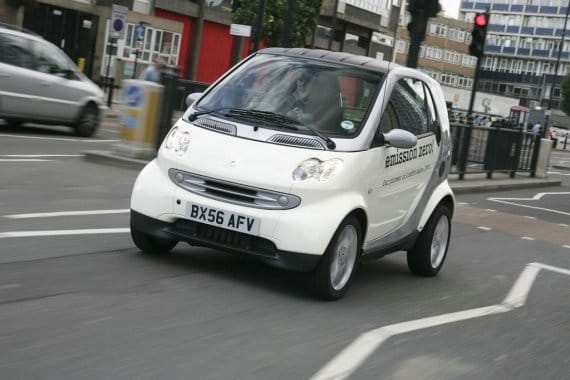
444,54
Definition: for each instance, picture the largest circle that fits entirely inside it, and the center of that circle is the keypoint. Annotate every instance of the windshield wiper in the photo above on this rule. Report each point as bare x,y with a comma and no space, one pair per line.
285,121
330,143
194,115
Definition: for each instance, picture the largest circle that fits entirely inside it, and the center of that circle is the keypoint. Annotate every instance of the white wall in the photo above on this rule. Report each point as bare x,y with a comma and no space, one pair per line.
497,105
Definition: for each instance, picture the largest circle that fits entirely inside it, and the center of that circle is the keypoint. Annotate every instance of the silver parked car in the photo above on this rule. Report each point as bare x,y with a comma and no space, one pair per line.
39,83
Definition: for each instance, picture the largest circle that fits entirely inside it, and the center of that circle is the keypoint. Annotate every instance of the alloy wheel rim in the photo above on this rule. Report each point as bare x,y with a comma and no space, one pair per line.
344,257
439,241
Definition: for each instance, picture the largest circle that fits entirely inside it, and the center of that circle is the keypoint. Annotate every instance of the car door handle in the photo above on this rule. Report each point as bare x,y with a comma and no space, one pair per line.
44,83
4,75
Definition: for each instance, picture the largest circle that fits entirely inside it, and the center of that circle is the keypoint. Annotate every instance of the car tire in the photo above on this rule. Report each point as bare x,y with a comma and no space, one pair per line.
428,254
151,244
88,121
333,275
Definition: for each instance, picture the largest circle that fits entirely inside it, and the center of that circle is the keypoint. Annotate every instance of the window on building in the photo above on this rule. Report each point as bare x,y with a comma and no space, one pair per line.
437,29
155,43
401,46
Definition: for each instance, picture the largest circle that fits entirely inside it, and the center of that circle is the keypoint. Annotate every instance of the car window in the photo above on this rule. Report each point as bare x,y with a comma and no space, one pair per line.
16,51
407,108
49,59
334,99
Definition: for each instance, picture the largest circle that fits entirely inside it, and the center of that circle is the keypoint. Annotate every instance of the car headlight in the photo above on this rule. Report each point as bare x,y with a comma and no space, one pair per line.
177,140
320,170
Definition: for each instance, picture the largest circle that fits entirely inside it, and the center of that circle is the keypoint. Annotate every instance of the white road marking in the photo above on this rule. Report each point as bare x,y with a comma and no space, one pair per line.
527,238
530,217
534,198
22,160
354,355
39,155
484,228
462,203
566,246
55,138
563,225
557,173
66,213
490,210
9,286
93,231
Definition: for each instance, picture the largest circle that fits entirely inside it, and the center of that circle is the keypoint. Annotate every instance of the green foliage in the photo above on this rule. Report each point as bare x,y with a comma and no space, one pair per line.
565,88
305,19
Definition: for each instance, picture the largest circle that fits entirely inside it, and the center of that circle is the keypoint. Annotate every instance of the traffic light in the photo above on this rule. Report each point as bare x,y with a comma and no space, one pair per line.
479,33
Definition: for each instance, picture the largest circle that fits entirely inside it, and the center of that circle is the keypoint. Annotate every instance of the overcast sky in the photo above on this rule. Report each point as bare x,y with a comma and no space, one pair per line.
450,7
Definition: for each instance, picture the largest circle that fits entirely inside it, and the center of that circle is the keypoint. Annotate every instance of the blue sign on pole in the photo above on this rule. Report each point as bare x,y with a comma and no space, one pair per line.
139,31
133,96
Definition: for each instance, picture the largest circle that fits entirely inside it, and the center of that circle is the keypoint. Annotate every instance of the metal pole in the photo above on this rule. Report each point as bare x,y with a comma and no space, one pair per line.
196,40
559,55
259,24
560,47
331,38
474,89
135,66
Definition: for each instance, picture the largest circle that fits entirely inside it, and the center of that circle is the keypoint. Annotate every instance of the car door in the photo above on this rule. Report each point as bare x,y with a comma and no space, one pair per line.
18,89
59,88
403,173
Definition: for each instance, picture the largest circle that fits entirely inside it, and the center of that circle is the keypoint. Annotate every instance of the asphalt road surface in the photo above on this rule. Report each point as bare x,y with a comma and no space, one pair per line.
88,305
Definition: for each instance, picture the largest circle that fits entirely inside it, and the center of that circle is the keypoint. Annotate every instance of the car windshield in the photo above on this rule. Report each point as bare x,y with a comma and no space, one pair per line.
310,95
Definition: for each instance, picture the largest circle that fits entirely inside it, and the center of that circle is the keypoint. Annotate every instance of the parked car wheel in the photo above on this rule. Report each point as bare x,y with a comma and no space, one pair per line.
332,277
88,121
150,244
427,256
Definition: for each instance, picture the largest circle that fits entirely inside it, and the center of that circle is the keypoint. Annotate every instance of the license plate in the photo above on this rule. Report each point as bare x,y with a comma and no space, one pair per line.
223,219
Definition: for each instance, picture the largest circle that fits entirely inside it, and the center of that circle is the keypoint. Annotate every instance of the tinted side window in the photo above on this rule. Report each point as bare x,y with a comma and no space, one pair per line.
16,51
49,60
407,108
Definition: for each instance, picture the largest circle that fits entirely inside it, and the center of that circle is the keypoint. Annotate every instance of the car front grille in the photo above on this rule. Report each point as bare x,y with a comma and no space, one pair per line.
232,192
299,142
204,234
217,126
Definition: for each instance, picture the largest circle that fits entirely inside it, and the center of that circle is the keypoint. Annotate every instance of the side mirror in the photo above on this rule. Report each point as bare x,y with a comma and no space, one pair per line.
193,97
399,138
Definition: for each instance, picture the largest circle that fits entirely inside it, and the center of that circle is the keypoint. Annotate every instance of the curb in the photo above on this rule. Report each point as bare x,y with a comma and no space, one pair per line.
461,188
108,158
561,167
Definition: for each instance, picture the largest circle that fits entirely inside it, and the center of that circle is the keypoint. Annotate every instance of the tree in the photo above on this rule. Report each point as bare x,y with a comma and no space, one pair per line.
305,19
565,88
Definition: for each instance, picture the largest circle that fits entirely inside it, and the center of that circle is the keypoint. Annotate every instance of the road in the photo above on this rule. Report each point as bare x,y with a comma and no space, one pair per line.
91,306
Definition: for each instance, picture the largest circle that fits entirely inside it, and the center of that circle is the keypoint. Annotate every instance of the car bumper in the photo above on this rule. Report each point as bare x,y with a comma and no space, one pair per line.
306,229
203,235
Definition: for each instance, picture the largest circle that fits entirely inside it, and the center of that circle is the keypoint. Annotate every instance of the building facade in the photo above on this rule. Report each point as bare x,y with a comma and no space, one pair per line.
522,47
444,53
81,28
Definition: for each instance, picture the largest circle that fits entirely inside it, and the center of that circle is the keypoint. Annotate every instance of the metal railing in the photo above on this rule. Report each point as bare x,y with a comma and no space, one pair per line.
491,149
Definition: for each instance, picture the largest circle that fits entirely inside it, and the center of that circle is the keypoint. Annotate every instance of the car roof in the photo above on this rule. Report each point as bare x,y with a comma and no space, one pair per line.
19,31
335,57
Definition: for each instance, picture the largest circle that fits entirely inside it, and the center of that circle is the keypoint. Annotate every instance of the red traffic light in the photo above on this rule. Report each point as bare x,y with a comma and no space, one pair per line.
480,20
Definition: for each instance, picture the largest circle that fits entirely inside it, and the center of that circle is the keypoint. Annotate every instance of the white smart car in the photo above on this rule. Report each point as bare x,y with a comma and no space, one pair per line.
309,160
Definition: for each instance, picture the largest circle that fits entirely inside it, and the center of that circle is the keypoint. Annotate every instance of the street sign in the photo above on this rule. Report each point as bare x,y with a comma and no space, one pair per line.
240,30
139,32
119,16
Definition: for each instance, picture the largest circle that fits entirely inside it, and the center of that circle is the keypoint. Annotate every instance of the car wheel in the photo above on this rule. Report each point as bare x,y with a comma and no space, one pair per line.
88,121
428,254
332,277
151,244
